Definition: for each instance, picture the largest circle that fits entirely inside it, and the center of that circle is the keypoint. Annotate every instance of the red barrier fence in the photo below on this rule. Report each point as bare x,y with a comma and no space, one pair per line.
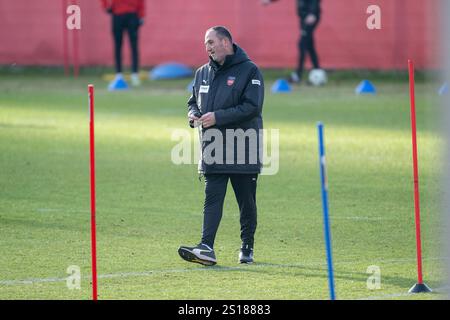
30,32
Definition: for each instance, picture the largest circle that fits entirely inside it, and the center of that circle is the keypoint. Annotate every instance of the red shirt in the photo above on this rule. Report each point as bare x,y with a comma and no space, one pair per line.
125,6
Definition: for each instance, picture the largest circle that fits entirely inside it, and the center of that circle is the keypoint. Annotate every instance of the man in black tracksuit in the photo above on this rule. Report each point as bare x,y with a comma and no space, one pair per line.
227,100
309,14
127,15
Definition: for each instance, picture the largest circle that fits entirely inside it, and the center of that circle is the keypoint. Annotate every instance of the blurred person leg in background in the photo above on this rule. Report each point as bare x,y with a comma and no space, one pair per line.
127,15
309,14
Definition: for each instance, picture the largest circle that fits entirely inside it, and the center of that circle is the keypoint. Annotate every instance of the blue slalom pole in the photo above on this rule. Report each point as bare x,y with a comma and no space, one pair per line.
324,183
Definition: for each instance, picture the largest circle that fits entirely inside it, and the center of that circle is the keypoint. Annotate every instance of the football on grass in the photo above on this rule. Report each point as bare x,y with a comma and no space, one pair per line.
317,77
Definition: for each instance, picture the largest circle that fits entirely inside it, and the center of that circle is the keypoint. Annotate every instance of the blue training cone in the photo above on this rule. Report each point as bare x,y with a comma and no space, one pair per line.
443,90
170,70
281,86
118,83
365,87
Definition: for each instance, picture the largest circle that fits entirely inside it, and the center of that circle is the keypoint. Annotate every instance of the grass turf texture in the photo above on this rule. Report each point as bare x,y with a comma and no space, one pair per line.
147,206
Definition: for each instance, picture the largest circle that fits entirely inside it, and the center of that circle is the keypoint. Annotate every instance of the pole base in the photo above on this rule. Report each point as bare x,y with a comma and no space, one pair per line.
420,288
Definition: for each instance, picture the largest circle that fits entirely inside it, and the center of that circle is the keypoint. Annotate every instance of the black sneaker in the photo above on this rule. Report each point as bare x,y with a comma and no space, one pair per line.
201,253
246,254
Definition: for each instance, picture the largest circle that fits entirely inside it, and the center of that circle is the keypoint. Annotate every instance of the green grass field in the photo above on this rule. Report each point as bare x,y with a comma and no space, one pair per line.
147,206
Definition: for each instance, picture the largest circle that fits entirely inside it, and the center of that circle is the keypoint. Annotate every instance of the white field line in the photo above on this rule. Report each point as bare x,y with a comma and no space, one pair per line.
357,218
386,296
43,210
31,281
126,274
441,290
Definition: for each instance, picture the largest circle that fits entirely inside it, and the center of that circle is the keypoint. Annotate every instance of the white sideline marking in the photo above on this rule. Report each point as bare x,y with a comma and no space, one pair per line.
363,218
441,290
61,210
30,281
216,268
118,275
386,296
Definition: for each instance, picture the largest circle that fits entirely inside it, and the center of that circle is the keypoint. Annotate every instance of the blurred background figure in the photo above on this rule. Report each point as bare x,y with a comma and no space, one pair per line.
309,14
126,15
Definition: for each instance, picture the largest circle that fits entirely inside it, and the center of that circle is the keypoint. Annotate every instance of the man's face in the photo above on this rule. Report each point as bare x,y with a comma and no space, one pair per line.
215,47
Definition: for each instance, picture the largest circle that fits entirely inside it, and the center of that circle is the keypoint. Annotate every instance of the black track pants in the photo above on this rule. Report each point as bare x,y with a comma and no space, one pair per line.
244,186
306,46
129,22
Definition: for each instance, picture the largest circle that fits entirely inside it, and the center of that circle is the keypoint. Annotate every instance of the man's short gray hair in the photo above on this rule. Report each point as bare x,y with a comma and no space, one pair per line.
222,32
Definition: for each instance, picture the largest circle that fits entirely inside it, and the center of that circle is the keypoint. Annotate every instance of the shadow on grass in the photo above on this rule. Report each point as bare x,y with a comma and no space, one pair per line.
320,272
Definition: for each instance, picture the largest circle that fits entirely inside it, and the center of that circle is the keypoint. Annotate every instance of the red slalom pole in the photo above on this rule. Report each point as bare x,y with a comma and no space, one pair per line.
419,286
92,166
415,171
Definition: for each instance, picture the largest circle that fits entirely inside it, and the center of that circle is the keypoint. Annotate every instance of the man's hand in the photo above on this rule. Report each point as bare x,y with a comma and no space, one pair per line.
194,116
193,119
208,120
310,19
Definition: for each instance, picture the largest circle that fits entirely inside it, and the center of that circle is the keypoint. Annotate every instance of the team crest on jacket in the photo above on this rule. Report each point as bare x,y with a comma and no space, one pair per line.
230,80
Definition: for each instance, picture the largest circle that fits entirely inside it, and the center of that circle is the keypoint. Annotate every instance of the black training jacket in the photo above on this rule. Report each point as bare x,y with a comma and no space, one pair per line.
234,91
305,7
